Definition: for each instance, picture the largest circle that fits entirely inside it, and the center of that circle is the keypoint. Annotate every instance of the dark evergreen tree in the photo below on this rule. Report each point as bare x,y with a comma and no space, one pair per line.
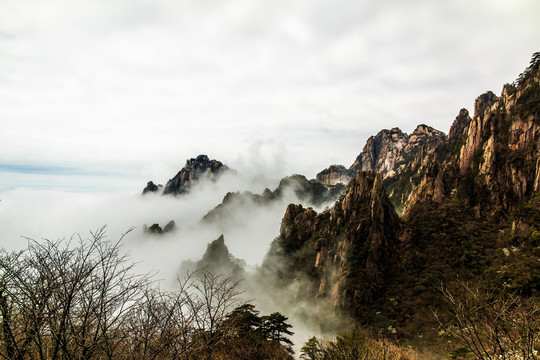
274,327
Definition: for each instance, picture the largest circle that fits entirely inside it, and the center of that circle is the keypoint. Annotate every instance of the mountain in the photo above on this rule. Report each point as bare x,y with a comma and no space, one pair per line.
397,156
470,205
151,187
295,186
335,174
493,161
390,151
217,260
193,171
156,229
353,243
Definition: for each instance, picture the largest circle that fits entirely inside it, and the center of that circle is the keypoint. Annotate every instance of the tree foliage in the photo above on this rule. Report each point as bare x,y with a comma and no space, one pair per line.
533,66
492,325
82,299
355,344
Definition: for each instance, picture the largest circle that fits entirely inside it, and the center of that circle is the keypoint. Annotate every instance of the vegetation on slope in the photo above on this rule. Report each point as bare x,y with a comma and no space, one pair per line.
80,299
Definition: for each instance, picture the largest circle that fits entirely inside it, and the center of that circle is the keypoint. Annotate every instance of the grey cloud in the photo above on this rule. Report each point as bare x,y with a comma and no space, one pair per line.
157,80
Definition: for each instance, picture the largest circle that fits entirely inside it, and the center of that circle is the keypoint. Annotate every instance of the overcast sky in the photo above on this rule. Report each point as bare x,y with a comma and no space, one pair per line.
106,94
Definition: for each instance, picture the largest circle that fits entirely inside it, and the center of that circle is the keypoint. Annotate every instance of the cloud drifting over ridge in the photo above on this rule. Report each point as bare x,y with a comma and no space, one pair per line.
51,214
121,85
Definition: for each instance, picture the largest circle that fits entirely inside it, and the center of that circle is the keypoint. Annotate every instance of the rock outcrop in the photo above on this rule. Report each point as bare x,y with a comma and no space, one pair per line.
365,225
401,159
151,187
391,151
217,259
351,246
194,170
335,174
382,152
493,158
156,229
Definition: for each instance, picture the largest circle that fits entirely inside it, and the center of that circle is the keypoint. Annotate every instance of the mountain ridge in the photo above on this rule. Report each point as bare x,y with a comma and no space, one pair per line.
465,199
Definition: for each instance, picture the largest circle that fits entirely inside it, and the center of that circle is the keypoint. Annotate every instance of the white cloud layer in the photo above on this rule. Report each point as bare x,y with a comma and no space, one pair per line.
137,86
56,214
53,214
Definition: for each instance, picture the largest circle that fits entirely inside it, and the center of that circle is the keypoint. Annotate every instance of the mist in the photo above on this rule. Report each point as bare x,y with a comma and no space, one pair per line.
54,214
248,228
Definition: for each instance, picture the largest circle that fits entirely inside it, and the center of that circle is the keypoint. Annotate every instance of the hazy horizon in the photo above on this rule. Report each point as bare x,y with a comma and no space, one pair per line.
104,96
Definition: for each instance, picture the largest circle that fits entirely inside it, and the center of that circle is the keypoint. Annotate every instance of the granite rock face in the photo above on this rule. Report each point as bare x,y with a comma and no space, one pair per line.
382,152
390,151
365,225
493,158
352,244
400,158
335,174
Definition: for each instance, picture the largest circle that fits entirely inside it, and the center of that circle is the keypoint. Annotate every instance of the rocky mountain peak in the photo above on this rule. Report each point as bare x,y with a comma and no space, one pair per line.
493,156
422,135
216,252
459,125
391,151
335,174
381,151
483,102
423,129
194,170
151,187
217,259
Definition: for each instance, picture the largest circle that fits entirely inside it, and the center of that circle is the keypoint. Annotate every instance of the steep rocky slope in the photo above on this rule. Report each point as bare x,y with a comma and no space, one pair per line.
335,174
345,252
471,207
399,157
493,160
390,151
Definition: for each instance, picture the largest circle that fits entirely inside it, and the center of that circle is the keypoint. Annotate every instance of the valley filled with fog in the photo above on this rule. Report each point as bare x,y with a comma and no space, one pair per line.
54,214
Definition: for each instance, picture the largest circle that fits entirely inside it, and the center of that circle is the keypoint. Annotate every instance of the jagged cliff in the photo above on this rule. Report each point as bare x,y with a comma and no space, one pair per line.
390,151
471,208
381,152
489,160
493,160
346,250
335,174
151,187
359,244
194,170
399,157
157,229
